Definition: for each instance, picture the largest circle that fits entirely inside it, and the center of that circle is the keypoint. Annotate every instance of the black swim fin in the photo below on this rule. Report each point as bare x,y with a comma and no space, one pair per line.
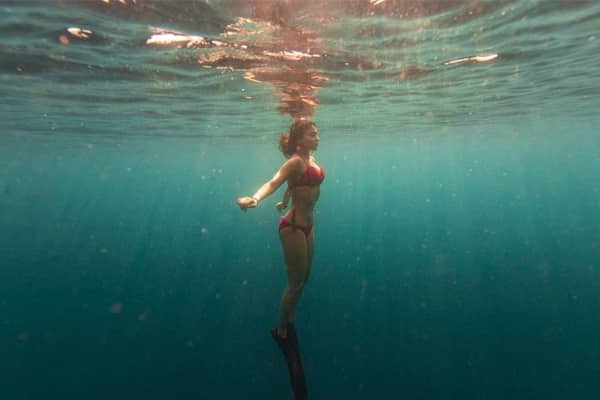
291,351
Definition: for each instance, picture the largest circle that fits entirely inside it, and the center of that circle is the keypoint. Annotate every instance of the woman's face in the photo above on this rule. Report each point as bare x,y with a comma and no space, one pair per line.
310,139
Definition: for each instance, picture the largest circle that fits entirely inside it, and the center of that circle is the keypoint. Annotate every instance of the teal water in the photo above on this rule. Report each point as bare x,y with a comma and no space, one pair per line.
458,238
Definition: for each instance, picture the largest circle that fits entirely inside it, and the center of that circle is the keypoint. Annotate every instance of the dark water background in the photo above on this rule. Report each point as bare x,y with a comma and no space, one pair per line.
458,230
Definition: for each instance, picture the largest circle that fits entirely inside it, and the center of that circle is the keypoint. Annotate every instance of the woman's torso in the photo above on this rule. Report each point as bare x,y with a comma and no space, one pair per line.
306,188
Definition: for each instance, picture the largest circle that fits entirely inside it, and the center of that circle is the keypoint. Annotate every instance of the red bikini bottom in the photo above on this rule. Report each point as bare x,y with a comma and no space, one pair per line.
284,223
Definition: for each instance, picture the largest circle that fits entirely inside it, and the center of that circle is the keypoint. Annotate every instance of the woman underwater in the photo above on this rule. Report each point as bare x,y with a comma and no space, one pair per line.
304,178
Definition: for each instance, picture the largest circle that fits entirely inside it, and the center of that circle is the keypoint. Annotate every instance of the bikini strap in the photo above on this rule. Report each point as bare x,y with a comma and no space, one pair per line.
304,161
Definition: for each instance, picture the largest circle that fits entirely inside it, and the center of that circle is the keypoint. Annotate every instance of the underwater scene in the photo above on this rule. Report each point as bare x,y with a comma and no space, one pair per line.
453,253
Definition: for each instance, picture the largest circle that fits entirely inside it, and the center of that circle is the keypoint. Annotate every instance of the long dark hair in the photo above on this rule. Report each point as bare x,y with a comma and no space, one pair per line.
288,141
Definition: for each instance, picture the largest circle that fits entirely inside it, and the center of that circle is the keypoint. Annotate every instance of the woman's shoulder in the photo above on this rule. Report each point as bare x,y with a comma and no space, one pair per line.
294,163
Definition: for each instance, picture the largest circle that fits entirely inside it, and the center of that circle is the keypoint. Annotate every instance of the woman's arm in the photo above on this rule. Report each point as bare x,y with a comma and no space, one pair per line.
286,196
282,205
287,169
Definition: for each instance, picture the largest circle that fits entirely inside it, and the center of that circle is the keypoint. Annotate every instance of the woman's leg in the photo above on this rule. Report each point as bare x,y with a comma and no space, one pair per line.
309,251
297,261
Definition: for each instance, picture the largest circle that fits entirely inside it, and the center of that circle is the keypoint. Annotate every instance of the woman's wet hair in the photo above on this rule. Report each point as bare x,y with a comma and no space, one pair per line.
288,141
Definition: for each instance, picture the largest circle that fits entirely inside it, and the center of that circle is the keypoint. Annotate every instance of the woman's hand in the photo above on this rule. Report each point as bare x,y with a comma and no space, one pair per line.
280,206
247,202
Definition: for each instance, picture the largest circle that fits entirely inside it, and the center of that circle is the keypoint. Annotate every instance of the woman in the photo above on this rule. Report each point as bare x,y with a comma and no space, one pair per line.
304,178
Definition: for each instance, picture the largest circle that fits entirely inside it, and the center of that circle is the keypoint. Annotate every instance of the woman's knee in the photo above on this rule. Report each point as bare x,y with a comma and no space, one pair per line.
294,289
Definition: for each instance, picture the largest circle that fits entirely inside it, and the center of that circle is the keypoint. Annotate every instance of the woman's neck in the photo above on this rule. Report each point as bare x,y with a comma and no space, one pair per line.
304,154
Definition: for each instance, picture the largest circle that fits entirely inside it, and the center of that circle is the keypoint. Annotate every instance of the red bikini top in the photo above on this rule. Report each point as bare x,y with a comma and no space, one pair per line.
312,176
